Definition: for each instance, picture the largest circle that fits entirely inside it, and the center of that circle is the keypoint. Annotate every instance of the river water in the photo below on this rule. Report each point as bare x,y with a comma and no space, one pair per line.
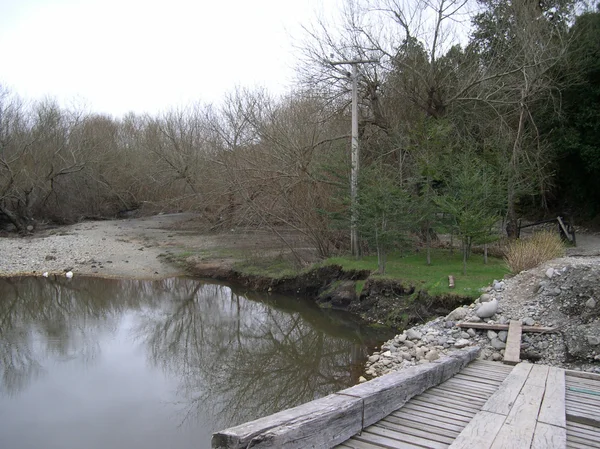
100,363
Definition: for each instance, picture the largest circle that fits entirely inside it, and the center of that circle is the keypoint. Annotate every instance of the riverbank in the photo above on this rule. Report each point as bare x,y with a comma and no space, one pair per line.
145,248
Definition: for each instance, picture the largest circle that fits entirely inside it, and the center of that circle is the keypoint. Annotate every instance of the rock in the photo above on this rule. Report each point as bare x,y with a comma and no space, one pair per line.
499,286
409,344
593,340
496,357
50,257
590,303
420,354
550,273
413,334
387,354
528,321
498,344
449,324
401,337
361,380
463,342
432,355
582,340
30,228
373,358
474,319
543,345
465,335
554,292
486,297
502,336
491,335
457,314
487,309
471,332
404,355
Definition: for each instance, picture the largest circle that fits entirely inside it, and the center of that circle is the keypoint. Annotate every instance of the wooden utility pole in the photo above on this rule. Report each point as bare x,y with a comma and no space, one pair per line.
354,244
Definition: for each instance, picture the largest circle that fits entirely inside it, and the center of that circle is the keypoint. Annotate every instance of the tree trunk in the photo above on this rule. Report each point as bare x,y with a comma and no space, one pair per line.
485,253
14,218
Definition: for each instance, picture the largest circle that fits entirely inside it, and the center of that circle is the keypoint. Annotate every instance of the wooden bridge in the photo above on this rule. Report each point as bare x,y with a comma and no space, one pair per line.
455,402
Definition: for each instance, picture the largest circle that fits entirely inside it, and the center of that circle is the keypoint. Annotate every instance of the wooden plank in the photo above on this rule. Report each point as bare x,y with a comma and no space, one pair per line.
552,410
582,374
584,417
450,402
451,405
584,442
422,422
512,353
442,407
481,380
480,372
438,412
548,436
451,419
385,394
326,421
455,397
397,436
417,432
519,426
505,327
480,432
471,394
583,430
463,384
503,399
355,444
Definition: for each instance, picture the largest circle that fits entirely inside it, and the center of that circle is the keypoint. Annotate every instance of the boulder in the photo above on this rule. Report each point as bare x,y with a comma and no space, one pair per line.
413,334
458,314
487,309
583,341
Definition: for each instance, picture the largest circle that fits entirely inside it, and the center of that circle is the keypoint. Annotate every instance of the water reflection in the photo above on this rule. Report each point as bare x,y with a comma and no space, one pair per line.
225,358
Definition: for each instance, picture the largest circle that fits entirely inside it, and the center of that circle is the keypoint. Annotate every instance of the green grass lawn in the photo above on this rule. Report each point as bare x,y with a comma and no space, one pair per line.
413,270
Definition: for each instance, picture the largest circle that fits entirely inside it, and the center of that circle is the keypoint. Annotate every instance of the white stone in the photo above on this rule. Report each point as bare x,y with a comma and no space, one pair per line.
413,334
498,344
502,336
491,335
432,355
550,273
486,297
387,354
361,380
590,303
458,314
528,321
373,358
487,309
461,343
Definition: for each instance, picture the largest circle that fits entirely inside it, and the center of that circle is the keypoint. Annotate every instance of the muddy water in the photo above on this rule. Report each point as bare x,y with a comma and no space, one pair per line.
102,363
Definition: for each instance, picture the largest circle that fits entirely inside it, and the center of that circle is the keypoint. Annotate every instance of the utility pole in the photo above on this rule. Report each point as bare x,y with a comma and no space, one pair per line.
354,244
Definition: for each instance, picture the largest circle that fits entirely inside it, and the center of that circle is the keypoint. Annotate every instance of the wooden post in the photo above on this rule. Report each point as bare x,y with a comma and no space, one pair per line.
451,281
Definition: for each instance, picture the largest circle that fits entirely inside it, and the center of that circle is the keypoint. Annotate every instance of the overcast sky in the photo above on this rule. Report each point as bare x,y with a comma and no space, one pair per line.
117,56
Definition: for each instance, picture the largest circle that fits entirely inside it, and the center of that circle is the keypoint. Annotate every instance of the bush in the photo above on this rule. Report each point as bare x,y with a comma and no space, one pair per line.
529,253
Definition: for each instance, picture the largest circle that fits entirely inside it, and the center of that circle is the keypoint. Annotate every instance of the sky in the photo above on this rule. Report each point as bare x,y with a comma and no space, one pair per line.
147,56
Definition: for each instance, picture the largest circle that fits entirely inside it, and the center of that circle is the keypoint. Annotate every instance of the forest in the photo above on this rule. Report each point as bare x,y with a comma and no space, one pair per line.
469,114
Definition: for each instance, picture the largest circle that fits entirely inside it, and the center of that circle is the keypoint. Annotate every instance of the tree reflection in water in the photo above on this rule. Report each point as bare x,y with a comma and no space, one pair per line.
234,357
238,359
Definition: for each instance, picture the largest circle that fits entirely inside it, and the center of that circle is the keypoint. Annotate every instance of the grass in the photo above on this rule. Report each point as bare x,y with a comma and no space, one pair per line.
276,268
412,269
528,253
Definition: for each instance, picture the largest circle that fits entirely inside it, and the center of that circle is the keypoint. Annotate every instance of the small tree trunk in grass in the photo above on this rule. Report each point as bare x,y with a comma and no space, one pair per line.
451,244
485,248
465,247
428,240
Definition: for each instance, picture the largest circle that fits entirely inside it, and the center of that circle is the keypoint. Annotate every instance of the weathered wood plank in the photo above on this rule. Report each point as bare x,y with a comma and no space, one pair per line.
356,444
397,436
582,374
584,417
326,421
552,410
548,436
441,407
382,442
437,401
505,327
385,394
450,420
417,432
437,412
424,423
582,442
513,343
454,399
519,426
583,430
471,394
504,398
480,432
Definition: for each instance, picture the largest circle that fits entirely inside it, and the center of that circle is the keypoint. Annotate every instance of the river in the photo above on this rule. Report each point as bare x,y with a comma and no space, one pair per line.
102,363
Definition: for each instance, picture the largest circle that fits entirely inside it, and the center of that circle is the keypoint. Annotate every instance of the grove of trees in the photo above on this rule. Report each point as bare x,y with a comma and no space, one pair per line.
476,112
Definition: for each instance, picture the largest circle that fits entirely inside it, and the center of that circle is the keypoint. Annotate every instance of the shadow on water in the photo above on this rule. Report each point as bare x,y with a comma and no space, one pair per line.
229,357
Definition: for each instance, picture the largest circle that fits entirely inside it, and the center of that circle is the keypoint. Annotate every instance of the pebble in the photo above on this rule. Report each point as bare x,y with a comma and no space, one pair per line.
498,344
528,321
461,343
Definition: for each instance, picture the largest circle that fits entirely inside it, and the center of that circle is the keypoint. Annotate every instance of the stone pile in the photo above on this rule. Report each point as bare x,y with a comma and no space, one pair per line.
566,297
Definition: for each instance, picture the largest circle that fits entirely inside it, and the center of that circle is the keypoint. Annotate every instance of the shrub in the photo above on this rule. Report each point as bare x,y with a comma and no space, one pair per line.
528,253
